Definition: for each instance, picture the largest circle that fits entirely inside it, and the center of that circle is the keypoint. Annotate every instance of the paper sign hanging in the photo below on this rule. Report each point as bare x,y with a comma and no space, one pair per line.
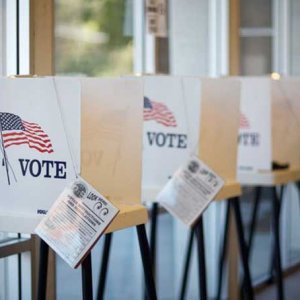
76,221
190,191
156,16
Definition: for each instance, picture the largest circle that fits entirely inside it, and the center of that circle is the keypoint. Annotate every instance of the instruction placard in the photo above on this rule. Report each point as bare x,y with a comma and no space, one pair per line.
190,190
156,15
76,221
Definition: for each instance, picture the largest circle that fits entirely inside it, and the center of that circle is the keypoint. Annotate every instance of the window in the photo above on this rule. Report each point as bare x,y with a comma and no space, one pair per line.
256,37
94,38
294,23
269,41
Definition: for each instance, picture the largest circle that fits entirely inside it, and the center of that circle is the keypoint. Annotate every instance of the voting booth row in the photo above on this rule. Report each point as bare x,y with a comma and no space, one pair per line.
92,154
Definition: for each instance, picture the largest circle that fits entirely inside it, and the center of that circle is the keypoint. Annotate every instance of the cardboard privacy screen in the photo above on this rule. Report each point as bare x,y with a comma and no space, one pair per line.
185,116
269,123
53,128
111,137
35,157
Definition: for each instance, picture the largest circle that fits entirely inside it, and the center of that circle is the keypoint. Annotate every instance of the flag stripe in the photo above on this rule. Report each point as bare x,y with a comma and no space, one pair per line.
162,120
26,139
31,146
37,137
244,122
37,132
30,124
22,133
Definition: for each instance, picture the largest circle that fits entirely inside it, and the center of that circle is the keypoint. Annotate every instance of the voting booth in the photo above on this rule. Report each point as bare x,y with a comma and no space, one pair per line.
269,143
269,124
111,144
55,128
186,116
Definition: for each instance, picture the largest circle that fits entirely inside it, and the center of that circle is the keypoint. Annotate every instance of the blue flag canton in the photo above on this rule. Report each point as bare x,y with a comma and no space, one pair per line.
147,103
10,122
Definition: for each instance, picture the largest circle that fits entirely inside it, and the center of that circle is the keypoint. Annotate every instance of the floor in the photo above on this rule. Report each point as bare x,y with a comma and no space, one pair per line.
292,289
127,272
125,277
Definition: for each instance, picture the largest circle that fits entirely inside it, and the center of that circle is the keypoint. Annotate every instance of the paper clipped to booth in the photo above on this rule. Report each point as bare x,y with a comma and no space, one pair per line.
190,190
76,221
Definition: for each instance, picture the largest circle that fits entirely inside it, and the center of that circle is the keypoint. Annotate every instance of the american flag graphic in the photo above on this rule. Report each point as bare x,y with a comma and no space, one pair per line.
16,131
158,112
244,122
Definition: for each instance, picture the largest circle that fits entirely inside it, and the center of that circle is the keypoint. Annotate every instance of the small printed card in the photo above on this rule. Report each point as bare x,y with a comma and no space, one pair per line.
190,190
156,16
76,221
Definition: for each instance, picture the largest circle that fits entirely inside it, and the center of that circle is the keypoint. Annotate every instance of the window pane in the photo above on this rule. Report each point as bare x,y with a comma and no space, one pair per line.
295,38
189,51
261,244
256,13
256,58
293,225
93,37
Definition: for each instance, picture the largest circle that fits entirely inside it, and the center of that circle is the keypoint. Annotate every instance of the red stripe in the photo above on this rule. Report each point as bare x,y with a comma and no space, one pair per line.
37,137
168,121
30,124
14,139
8,138
16,143
31,146
24,133
36,131
12,134
29,131
162,121
244,122
26,139
166,116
